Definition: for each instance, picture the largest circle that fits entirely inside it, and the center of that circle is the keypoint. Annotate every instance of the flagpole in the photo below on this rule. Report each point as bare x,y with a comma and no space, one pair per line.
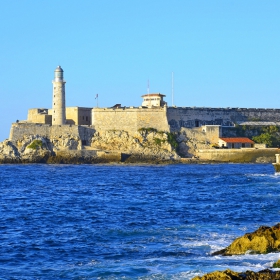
96,97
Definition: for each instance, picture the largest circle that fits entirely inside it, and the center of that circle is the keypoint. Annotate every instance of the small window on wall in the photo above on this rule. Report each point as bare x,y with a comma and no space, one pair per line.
243,145
83,117
232,145
86,118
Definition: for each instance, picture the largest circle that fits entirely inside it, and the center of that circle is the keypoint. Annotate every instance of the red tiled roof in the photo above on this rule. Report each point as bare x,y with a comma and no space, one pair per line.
237,140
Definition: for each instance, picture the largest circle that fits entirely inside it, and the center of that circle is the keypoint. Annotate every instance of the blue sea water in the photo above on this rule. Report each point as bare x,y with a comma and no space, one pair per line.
131,221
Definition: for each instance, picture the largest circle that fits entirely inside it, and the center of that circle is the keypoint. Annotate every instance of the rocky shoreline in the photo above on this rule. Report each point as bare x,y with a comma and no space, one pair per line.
262,241
108,147
146,145
266,274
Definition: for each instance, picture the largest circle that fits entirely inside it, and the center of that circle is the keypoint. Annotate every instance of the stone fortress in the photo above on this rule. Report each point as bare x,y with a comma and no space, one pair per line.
154,112
86,124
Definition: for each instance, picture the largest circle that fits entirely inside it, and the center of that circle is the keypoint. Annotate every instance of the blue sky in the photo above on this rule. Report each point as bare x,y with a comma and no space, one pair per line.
224,53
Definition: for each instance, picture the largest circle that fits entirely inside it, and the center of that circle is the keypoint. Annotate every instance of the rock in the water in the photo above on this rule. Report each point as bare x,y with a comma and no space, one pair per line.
262,241
220,275
248,275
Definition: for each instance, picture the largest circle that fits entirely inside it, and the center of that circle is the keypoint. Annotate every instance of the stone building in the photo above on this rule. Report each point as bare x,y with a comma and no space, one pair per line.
153,100
236,142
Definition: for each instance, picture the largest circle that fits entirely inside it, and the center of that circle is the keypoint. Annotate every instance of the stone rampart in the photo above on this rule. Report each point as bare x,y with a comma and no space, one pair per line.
238,155
129,119
194,116
21,130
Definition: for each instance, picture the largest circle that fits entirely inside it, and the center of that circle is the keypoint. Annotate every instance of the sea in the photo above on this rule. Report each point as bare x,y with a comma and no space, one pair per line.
132,221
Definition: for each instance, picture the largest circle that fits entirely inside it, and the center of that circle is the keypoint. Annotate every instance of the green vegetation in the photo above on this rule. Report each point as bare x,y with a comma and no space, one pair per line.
171,138
276,264
147,129
245,130
35,145
158,141
270,136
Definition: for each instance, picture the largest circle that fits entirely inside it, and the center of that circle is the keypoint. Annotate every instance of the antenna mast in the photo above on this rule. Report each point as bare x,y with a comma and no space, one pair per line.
172,92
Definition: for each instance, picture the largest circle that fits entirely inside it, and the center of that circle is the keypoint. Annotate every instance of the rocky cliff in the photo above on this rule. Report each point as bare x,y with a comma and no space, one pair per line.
145,145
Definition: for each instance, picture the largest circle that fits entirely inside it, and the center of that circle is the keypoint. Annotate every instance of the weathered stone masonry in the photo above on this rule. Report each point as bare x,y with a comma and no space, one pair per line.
161,118
129,119
195,117
21,130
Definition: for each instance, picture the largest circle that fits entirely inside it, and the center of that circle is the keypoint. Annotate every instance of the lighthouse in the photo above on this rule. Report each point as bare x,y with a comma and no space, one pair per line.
58,114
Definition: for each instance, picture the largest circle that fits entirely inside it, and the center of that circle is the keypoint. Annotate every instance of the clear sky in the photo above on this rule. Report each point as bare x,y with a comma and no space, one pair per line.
224,53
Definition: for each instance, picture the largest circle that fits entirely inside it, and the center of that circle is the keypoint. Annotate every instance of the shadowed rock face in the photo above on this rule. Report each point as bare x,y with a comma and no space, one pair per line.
262,241
248,275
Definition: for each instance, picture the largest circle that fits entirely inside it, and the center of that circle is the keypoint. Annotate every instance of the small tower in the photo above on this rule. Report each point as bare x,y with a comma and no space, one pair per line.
58,114
153,100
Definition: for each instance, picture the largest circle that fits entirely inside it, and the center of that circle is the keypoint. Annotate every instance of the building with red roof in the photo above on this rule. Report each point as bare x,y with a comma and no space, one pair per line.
235,142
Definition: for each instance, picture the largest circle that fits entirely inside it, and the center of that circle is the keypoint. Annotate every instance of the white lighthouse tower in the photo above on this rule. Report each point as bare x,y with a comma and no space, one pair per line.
58,114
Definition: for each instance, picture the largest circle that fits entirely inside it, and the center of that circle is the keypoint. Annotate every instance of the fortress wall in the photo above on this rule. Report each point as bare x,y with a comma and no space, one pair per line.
129,119
238,155
194,116
213,132
21,130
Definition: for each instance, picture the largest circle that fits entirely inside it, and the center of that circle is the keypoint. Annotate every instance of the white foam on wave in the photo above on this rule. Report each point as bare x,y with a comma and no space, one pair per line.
274,175
247,262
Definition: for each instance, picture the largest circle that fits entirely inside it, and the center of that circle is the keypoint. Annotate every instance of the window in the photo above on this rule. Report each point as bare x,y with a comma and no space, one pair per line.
83,117
232,145
243,145
86,118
